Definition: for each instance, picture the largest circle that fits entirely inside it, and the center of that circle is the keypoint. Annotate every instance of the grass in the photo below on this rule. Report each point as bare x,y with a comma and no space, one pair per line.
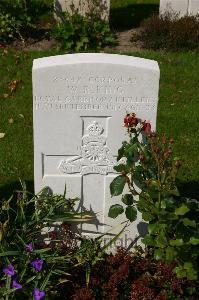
177,113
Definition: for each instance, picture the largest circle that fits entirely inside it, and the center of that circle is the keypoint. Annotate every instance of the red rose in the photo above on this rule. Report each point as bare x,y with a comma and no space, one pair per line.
130,120
134,121
126,121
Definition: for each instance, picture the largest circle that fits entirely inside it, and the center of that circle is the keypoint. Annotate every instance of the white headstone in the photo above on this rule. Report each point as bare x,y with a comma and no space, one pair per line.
194,7
83,7
80,101
180,7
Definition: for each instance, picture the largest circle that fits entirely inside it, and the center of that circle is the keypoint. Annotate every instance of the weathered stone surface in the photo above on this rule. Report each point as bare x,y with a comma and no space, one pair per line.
180,7
83,7
79,104
193,7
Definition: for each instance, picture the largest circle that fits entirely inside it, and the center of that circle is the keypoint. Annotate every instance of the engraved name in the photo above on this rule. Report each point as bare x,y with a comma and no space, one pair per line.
94,93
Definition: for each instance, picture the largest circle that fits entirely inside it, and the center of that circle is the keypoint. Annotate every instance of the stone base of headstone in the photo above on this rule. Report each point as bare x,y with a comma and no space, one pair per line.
82,7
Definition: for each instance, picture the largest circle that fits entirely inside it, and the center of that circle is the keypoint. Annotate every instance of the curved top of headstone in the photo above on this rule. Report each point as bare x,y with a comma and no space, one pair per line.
89,58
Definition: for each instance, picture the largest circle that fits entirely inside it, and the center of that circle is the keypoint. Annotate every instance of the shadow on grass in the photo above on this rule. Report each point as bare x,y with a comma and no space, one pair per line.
6,191
132,15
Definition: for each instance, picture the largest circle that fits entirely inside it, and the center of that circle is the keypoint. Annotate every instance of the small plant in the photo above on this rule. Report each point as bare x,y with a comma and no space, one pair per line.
88,255
126,275
170,32
149,170
7,31
77,32
19,18
27,264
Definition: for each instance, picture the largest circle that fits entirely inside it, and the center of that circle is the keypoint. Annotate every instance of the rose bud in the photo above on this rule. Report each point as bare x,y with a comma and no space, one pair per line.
126,121
133,121
147,128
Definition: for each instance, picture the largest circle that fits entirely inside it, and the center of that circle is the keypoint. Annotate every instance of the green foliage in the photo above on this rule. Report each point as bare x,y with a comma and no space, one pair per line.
173,230
71,33
19,18
115,210
171,32
117,185
131,213
7,31
88,255
22,221
76,32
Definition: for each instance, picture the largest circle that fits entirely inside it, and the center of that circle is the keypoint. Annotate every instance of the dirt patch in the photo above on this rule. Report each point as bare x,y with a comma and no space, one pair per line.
32,44
43,45
125,41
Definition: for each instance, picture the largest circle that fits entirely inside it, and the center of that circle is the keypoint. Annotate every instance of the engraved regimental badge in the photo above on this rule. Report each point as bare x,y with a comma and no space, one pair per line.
95,155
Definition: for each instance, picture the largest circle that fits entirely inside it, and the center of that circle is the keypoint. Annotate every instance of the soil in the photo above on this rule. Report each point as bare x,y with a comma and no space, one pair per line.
34,44
125,42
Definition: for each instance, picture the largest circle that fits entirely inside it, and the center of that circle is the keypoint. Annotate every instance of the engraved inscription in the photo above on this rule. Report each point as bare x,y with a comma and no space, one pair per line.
94,103
94,93
95,155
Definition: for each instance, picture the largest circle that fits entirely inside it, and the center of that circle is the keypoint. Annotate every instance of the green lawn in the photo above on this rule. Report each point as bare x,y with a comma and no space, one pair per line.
178,113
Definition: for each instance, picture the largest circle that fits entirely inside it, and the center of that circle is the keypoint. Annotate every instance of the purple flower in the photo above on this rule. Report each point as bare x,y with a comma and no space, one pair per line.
37,294
29,247
9,270
37,264
16,285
